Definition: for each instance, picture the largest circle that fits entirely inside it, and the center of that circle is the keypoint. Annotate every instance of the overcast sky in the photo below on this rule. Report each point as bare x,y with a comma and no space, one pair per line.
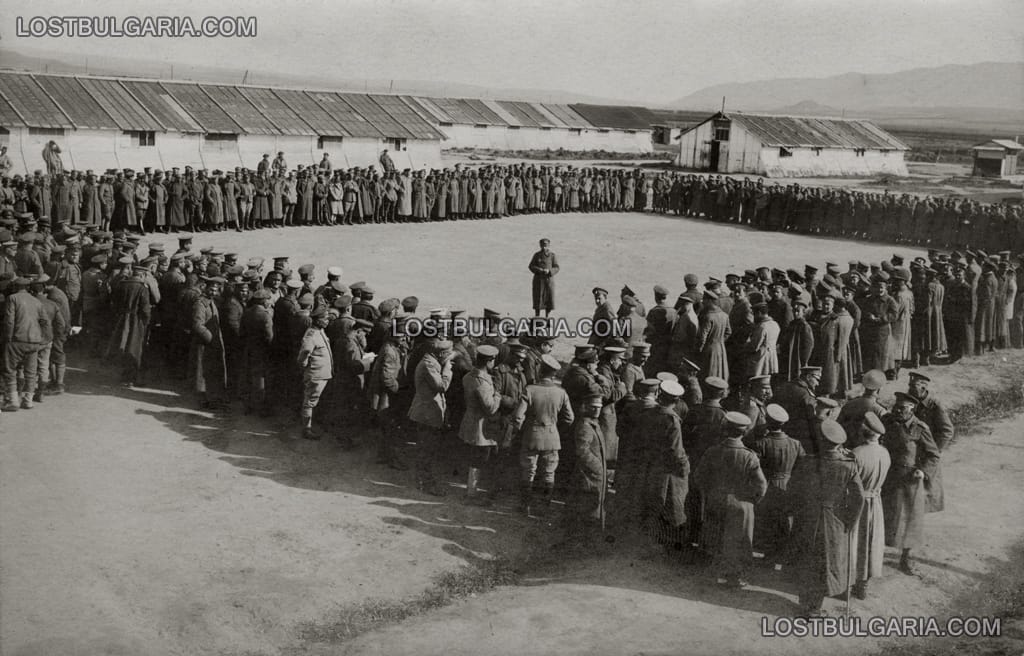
652,51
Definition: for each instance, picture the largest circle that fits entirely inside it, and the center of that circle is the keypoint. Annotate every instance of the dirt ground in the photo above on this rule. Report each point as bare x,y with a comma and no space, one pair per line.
131,523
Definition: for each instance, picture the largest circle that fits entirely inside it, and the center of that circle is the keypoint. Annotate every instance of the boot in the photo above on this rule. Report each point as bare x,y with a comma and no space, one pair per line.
26,401
307,429
473,494
548,492
525,498
860,590
37,397
905,566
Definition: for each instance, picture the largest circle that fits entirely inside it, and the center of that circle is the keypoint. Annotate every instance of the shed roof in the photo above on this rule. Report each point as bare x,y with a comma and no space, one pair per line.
524,118
426,109
210,116
407,117
31,102
505,115
354,123
123,107
619,117
75,101
7,114
459,112
312,112
162,105
490,116
372,112
1000,144
815,132
276,111
568,115
239,109
549,117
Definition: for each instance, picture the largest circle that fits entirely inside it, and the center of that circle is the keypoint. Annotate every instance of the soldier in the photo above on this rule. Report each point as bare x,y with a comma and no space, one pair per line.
827,497
509,381
713,330
930,411
603,319
483,402
207,359
778,453
544,266
665,468
873,462
432,377
585,504
730,480
257,336
914,459
24,324
797,398
958,314
131,308
851,416
661,320
546,406
317,362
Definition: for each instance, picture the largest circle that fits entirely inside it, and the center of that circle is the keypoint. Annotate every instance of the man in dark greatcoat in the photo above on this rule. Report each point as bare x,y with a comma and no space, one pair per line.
130,305
544,266
827,496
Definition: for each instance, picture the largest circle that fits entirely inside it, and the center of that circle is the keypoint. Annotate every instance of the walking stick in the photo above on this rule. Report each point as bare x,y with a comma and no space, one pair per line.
849,571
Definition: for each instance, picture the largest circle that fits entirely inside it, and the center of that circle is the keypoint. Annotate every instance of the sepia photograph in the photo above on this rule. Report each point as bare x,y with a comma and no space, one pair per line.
522,328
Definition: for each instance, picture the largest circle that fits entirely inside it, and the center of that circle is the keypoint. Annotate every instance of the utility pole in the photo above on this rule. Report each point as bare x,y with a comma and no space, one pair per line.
723,104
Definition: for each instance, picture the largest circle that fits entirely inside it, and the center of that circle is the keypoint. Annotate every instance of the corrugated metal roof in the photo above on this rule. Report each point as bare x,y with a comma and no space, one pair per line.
377,117
276,111
207,113
430,112
75,101
239,109
568,115
505,115
9,117
619,117
553,120
162,105
413,122
354,122
459,112
536,114
489,115
524,119
312,112
32,102
814,132
999,144
127,112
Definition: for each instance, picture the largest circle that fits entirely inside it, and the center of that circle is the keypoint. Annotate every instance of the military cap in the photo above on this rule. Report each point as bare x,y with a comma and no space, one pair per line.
671,388
58,250
343,301
410,303
649,384
156,247
515,345
487,351
916,375
777,413
602,290
737,419
759,380
684,298
236,270
318,312
389,305
194,257
808,269
294,284
629,301
306,300
666,375
832,431
811,370
873,380
660,291
585,353
873,423
22,281
213,279
184,239
881,276
280,261
438,312
545,242
550,362
832,267
642,347
826,402
691,279
147,261
126,260
901,274
230,256
254,262
27,237
750,273
261,294
334,271
613,349
366,290
339,286
715,382
709,294
306,269
207,250
593,400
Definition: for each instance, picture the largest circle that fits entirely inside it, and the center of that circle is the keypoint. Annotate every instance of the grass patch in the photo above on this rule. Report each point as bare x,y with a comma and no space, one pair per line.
352,621
989,405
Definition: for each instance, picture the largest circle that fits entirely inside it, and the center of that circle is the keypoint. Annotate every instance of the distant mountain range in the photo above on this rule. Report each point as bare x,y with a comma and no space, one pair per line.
120,66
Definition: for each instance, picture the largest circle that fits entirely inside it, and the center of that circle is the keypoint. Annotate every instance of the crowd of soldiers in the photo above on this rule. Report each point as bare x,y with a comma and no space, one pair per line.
275,195
720,424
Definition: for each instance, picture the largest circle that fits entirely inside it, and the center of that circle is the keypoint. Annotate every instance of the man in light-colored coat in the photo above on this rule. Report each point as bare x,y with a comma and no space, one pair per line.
546,406
317,362
479,427
432,377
